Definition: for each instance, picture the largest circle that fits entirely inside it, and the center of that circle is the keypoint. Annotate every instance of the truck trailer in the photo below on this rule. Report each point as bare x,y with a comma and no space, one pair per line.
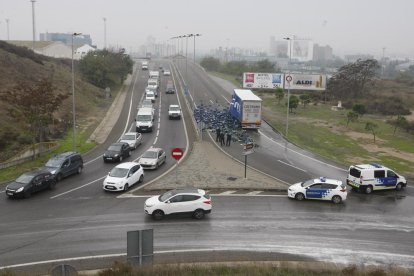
247,108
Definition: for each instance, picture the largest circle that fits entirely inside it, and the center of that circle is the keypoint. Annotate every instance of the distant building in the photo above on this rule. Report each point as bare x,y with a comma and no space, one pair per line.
80,52
67,38
278,48
354,58
322,53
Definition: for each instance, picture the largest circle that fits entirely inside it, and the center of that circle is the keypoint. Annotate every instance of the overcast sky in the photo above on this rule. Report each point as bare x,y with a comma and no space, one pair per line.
348,26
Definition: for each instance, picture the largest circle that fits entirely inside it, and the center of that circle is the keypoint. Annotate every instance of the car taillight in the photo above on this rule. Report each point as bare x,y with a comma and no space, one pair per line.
343,190
207,201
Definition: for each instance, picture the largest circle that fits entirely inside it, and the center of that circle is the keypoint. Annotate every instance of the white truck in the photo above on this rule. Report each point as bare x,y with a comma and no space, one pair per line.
154,75
145,119
247,108
144,65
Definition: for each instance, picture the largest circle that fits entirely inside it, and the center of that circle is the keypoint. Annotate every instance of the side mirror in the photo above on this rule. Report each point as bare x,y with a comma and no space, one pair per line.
168,202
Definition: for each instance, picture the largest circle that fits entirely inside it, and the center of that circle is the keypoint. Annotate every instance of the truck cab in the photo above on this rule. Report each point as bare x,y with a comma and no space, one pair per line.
145,119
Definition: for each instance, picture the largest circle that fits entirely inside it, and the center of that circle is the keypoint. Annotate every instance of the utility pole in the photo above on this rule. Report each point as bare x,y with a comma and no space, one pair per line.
8,35
383,61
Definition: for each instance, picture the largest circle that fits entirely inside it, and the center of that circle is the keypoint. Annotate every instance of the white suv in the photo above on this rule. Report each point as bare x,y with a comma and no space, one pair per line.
319,188
123,176
183,200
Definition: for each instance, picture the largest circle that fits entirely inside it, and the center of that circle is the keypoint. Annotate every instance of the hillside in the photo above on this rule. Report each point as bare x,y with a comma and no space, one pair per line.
19,64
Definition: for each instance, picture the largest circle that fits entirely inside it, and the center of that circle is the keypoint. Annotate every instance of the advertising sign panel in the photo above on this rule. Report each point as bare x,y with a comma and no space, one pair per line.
305,82
262,80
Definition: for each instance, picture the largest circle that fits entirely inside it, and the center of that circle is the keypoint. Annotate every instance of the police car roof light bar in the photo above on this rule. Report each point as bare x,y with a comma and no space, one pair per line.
376,165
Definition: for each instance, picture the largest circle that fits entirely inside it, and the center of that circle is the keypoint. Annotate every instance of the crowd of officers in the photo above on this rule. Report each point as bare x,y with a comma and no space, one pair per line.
222,134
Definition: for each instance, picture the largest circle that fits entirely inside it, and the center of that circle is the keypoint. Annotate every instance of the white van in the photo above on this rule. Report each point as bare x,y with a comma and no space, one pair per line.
153,84
144,120
154,75
144,65
372,177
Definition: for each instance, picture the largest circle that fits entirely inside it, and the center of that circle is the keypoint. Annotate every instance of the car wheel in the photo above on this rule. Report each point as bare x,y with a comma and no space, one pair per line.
52,185
336,199
398,187
368,189
300,196
141,179
58,177
198,214
126,187
158,214
27,194
121,158
80,170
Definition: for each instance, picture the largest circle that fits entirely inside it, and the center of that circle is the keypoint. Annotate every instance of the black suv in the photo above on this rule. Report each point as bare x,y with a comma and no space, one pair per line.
64,164
30,182
117,152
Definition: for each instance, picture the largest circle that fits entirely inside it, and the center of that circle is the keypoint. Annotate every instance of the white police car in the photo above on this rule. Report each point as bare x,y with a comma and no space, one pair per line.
319,188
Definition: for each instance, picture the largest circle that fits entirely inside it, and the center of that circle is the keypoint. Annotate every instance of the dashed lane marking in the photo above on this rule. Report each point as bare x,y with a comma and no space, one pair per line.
228,192
254,193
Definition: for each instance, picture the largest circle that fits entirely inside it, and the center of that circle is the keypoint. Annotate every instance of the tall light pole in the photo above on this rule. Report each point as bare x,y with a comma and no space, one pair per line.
33,23
104,19
73,96
383,61
289,78
186,56
194,35
8,35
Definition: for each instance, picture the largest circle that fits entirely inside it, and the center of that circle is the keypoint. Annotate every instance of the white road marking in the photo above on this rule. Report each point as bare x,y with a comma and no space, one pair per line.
211,102
77,188
225,99
283,146
287,164
155,141
254,193
214,195
228,192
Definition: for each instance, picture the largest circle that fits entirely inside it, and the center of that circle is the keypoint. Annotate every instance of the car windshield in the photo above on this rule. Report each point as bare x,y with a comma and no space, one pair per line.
166,196
307,183
115,148
24,178
150,154
128,137
118,172
174,108
144,118
54,163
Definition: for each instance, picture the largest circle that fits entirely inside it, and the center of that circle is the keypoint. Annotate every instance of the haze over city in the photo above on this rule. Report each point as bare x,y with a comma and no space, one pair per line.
349,27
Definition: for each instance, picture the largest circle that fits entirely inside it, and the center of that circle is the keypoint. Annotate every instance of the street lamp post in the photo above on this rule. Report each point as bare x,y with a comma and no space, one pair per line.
73,96
33,23
104,20
194,35
186,56
290,79
7,22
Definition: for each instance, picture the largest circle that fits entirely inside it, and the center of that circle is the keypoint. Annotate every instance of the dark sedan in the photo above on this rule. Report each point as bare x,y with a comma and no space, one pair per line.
29,183
117,152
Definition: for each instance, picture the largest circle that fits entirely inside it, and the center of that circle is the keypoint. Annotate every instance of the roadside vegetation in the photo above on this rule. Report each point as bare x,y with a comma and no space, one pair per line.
358,119
36,100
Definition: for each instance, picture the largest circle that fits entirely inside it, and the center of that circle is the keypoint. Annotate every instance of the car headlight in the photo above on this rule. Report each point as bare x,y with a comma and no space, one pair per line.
149,205
19,190
116,155
53,172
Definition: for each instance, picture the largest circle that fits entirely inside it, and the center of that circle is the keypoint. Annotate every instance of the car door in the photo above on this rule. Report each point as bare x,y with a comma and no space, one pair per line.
175,205
37,183
315,191
134,174
391,179
161,156
380,179
125,150
66,167
190,203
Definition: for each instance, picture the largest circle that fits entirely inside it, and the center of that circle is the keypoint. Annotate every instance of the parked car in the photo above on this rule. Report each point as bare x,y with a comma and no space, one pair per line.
319,188
185,200
167,73
30,182
64,164
153,158
134,139
174,111
373,177
123,176
117,152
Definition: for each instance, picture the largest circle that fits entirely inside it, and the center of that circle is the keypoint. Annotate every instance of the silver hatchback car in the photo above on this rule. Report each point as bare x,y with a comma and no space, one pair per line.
153,158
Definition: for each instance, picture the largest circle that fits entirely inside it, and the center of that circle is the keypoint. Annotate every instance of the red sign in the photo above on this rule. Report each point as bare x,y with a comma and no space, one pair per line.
177,153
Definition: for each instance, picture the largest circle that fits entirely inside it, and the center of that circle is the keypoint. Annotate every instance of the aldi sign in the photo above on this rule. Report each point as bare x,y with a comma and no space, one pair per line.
262,80
305,82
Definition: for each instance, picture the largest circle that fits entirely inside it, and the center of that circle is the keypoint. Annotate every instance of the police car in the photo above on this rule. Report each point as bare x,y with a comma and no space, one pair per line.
372,177
319,188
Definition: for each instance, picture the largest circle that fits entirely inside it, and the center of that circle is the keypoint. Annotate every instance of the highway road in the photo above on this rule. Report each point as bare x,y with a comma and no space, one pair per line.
79,219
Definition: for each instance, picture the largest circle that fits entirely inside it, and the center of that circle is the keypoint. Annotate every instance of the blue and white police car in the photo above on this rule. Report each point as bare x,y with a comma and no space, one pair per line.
319,188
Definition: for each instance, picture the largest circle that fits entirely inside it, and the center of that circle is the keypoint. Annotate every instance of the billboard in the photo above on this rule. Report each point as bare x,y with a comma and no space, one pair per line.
302,50
305,82
262,80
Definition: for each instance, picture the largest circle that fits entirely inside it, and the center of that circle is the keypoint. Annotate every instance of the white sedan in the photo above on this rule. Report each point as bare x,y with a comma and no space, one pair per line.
134,139
167,73
123,176
319,188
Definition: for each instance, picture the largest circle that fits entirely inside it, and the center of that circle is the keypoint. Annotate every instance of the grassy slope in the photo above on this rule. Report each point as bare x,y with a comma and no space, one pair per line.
90,103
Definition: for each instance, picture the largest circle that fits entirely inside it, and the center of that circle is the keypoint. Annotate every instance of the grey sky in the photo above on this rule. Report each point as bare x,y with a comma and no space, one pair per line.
348,26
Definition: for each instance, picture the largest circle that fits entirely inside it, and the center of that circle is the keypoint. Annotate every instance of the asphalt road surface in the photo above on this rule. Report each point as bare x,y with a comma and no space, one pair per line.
79,219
